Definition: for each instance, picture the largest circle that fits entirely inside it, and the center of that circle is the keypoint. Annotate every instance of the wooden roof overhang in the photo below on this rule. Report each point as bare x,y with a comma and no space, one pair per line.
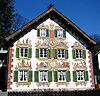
50,13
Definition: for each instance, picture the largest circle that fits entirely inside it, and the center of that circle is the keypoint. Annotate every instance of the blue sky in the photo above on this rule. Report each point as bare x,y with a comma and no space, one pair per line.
84,13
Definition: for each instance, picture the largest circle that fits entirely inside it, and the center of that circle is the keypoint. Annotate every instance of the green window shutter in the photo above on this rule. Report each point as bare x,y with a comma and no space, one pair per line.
55,33
84,54
55,76
50,76
30,76
15,76
55,53
64,33
17,52
38,32
36,76
73,53
75,76
37,53
66,54
30,52
47,32
68,78
86,75
49,53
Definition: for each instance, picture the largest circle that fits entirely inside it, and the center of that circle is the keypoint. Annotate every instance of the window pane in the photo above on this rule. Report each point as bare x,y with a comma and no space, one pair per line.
43,32
62,76
43,76
61,53
80,75
43,52
60,33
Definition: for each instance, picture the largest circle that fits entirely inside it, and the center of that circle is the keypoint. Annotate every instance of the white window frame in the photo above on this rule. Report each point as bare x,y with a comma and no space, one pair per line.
43,32
44,53
24,75
61,53
23,53
78,53
59,33
43,75
80,74
61,75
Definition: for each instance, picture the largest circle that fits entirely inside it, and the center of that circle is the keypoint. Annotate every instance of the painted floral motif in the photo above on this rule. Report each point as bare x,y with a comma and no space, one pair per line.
42,65
79,65
24,43
23,64
42,26
58,28
78,45
63,65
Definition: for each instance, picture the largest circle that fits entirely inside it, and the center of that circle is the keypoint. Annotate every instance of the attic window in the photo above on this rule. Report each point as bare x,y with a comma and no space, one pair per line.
59,33
43,32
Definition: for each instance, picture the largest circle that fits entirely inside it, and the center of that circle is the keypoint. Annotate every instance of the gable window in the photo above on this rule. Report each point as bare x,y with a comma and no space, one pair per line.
23,52
61,53
23,76
61,76
43,32
79,54
80,75
59,33
43,52
43,76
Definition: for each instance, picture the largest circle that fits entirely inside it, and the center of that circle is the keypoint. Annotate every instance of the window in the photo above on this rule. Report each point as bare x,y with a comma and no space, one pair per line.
43,52
59,33
43,76
80,75
61,53
78,53
61,76
23,52
23,76
43,32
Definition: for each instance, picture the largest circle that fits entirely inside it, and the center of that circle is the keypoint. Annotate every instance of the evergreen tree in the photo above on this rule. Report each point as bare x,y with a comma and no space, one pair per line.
6,19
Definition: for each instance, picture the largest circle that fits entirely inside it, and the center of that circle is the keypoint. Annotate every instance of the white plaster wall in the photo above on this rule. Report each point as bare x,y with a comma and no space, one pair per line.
32,35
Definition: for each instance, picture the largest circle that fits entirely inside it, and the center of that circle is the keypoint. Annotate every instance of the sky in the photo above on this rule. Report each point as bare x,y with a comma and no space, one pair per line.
84,13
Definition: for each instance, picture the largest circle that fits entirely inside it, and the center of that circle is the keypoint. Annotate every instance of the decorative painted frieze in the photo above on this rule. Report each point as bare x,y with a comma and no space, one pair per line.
77,45
43,84
62,83
24,64
42,26
79,65
24,43
23,84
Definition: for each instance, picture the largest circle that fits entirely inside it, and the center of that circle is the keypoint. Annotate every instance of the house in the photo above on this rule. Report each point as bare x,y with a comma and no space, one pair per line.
50,52
96,64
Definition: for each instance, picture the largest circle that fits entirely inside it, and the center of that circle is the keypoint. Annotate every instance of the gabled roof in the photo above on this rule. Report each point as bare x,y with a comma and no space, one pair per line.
50,13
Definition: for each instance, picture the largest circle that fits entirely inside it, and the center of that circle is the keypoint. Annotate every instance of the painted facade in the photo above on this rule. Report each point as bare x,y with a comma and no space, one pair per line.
49,57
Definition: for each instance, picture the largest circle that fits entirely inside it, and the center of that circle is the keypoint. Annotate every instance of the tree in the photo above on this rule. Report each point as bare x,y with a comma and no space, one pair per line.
6,19
96,37
19,22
